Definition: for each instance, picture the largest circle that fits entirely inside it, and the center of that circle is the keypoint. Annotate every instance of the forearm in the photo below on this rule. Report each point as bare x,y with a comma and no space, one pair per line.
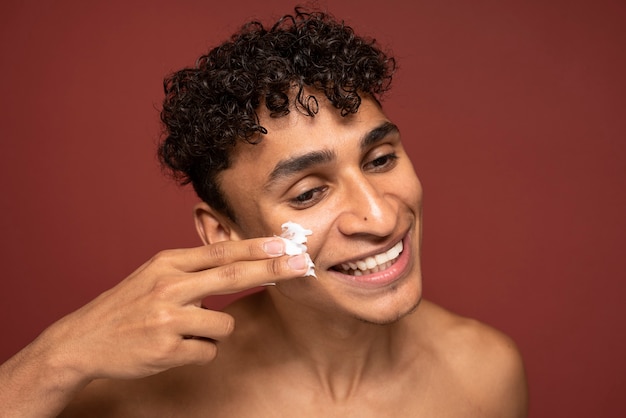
141,326
39,381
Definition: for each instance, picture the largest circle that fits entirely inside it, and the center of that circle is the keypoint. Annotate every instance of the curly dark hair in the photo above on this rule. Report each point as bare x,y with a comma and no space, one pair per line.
209,107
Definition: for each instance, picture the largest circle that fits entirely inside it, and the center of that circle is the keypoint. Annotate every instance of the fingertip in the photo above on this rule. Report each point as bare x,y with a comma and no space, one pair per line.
298,262
274,247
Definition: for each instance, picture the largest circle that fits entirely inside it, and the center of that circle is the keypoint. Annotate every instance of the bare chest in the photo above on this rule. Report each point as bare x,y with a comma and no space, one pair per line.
266,397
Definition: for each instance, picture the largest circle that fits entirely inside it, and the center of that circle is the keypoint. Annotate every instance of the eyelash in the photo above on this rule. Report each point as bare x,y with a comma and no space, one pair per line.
312,196
383,162
301,202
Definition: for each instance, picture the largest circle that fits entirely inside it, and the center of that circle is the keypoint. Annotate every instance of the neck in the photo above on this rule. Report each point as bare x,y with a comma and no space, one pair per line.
340,352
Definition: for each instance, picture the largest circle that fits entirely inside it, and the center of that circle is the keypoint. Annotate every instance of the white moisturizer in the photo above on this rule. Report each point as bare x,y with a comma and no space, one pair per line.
294,236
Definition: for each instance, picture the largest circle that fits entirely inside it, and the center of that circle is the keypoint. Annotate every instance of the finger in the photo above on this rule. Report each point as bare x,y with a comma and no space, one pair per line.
239,276
206,324
196,351
221,253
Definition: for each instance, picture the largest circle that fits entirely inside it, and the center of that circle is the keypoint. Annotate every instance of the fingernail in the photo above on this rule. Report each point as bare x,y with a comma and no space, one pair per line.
274,247
297,262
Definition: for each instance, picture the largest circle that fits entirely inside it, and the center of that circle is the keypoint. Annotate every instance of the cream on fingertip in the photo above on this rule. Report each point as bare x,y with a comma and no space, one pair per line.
295,237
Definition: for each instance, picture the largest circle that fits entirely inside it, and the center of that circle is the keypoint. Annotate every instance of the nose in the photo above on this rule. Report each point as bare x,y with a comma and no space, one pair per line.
368,208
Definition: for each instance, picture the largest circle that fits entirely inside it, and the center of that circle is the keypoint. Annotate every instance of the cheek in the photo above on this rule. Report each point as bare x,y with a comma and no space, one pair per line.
417,197
410,191
260,221
253,222
320,223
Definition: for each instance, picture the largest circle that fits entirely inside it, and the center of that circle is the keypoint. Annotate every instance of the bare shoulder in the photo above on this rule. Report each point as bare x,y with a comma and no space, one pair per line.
468,339
484,362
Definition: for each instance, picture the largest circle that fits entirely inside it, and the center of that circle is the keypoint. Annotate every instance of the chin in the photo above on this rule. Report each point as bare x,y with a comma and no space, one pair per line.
391,309
387,296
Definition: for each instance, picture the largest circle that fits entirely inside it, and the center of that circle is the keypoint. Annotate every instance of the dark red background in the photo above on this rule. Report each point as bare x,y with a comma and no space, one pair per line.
513,111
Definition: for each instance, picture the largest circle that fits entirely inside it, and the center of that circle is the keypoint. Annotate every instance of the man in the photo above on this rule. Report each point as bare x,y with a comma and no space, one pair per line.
273,126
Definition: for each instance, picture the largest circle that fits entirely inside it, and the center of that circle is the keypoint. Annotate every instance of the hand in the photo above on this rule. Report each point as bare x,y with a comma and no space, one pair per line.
153,320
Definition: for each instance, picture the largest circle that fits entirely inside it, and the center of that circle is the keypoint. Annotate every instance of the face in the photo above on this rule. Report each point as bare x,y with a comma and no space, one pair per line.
349,180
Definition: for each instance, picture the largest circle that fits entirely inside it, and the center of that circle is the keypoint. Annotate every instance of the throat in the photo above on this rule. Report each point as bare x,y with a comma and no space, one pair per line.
339,373
337,360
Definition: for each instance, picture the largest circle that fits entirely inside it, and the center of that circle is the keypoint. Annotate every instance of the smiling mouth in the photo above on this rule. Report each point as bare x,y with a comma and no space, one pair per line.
372,264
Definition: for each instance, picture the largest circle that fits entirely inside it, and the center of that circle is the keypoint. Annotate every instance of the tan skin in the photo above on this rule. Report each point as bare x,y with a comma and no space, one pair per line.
329,346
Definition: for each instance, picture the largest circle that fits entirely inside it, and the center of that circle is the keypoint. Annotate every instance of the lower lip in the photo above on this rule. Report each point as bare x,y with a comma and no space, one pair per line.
381,278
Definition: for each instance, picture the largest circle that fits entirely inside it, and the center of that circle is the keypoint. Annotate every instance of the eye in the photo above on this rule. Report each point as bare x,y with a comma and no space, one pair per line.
308,198
382,163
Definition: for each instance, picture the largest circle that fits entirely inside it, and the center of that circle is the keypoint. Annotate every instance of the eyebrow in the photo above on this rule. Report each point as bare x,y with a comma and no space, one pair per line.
290,166
378,133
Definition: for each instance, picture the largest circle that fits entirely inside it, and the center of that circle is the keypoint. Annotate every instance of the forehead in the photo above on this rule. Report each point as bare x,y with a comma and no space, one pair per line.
296,134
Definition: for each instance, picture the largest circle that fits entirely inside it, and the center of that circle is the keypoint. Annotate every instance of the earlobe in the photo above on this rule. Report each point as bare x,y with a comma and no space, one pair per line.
212,226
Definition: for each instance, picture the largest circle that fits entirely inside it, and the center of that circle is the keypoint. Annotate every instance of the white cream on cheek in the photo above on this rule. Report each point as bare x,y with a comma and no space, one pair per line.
295,237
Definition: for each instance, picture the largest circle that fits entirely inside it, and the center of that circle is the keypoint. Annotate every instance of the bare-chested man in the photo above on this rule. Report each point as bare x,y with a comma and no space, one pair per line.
278,124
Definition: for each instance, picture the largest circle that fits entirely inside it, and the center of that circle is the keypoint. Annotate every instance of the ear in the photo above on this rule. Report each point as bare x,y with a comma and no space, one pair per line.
213,226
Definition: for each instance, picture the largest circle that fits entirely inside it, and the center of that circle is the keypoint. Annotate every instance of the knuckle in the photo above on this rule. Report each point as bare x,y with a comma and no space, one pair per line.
163,288
166,356
255,251
275,267
227,325
163,317
163,257
226,251
231,273
218,252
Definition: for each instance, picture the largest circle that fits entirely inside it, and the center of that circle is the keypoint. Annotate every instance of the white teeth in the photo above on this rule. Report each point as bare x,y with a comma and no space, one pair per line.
395,251
373,264
381,258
